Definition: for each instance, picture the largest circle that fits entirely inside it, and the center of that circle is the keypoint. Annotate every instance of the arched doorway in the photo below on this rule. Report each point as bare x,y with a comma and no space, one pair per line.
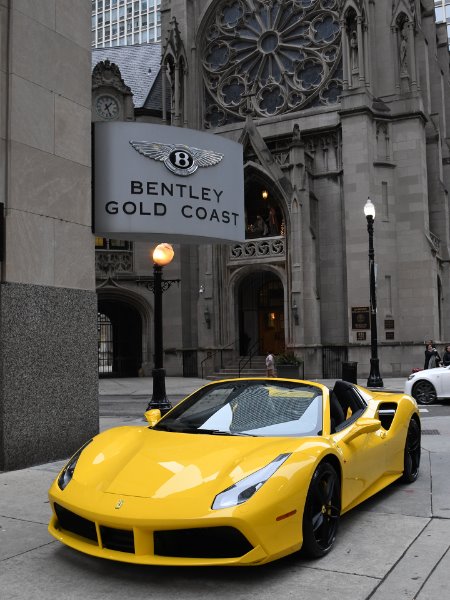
119,327
261,314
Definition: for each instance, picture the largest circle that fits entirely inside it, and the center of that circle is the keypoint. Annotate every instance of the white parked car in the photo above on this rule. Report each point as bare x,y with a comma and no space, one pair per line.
429,385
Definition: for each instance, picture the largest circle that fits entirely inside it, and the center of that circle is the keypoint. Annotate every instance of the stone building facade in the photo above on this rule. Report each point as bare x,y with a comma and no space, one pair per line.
333,101
48,305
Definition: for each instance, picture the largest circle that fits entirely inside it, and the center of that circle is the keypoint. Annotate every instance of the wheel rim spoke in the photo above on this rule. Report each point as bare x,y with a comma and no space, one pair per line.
317,521
330,488
334,512
425,392
321,494
326,512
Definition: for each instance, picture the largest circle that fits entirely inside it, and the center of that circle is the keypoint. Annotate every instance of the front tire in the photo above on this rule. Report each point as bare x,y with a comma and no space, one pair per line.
322,512
424,392
412,453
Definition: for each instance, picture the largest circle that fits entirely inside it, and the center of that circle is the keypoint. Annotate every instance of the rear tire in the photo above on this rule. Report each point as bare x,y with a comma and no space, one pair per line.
424,392
412,453
322,512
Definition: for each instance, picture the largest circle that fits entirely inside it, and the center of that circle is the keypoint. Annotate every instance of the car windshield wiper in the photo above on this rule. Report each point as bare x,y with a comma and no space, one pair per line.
172,428
180,429
220,432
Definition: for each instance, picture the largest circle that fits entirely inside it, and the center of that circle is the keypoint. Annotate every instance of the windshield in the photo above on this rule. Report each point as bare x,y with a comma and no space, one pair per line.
257,408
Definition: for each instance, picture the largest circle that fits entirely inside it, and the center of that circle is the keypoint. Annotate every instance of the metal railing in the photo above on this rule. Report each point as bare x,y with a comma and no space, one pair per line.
213,354
245,360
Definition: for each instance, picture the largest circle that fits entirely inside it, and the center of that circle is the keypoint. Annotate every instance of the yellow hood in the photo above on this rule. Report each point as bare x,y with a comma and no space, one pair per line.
144,463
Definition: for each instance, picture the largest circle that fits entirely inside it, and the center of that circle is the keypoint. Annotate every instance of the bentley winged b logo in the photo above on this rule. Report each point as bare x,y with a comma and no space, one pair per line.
178,158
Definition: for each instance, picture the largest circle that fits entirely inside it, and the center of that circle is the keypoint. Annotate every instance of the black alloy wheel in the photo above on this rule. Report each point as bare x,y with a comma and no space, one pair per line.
412,453
322,512
424,392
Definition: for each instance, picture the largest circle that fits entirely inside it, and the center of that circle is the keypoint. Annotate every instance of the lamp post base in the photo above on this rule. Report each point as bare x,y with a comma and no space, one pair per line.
159,398
374,380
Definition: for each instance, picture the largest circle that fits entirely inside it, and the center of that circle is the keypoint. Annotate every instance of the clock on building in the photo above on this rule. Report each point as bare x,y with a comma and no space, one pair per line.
107,107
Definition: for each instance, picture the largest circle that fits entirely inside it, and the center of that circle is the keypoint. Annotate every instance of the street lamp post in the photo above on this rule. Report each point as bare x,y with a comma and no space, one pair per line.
374,379
162,256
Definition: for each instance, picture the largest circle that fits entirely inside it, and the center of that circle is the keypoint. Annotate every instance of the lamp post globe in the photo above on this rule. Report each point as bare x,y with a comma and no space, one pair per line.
374,379
369,209
162,255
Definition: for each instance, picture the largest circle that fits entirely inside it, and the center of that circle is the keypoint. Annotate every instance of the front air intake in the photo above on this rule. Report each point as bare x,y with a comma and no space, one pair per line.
207,542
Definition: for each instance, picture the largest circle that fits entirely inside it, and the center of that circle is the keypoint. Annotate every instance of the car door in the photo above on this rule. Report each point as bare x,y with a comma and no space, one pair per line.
359,439
441,381
364,461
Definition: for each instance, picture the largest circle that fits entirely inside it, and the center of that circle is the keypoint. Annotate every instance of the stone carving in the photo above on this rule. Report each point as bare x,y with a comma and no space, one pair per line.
110,262
354,51
404,50
273,247
267,57
107,74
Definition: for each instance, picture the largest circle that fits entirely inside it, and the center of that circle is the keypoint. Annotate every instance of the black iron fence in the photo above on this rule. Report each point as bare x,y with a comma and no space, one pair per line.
332,359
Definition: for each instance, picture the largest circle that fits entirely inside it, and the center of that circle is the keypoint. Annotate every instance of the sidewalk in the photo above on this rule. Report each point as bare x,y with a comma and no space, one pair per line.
179,387
396,546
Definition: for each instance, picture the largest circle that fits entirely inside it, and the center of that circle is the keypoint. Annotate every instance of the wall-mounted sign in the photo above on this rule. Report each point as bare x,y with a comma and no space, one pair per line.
158,182
361,336
360,317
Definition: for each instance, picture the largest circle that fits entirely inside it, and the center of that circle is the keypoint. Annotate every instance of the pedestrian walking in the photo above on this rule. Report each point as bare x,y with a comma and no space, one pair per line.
432,358
446,356
270,365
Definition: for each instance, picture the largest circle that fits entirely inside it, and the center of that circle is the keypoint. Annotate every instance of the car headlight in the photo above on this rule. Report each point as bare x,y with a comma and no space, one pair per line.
244,489
66,474
412,376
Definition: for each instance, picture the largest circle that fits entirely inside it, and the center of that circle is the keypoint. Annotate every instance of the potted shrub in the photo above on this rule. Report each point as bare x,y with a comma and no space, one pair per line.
288,365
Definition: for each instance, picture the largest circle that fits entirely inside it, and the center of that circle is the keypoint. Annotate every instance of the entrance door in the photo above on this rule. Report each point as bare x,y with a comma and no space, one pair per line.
271,331
261,314
120,339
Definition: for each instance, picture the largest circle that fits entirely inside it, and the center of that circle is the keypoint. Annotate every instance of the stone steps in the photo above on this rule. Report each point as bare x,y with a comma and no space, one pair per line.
257,369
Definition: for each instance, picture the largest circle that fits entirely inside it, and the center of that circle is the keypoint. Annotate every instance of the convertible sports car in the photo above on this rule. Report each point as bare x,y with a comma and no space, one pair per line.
241,472
429,385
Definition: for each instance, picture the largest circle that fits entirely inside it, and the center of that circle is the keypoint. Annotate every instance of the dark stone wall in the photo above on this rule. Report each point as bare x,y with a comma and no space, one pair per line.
48,373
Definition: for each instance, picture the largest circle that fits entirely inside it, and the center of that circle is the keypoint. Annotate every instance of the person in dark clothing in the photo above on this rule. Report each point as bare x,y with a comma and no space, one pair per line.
446,356
432,358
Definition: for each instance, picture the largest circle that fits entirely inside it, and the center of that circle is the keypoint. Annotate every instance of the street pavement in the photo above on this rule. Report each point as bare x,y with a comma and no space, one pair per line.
396,546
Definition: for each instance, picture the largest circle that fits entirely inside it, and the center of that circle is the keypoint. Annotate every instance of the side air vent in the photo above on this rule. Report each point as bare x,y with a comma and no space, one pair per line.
386,413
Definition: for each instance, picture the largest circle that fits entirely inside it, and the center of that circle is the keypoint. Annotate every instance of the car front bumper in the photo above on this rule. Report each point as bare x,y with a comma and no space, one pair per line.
124,529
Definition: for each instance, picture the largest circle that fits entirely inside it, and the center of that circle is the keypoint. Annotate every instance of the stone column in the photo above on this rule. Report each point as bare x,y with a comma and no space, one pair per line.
164,91
345,57
394,38
48,304
177,116
412,57
361,52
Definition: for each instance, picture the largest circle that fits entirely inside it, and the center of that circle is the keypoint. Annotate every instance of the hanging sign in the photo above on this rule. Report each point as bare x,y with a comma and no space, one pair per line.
158,182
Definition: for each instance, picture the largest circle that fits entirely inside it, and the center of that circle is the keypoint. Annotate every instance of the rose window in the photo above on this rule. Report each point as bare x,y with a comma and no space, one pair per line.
267,57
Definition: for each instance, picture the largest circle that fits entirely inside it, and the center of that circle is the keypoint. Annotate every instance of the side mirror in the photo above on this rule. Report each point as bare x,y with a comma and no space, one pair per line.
360,427
153,416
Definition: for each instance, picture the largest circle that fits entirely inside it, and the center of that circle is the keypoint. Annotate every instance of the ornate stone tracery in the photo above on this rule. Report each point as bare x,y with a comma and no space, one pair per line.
267,57
107,74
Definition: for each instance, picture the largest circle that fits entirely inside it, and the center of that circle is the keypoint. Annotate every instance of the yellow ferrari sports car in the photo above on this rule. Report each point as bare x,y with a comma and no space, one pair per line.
241,472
